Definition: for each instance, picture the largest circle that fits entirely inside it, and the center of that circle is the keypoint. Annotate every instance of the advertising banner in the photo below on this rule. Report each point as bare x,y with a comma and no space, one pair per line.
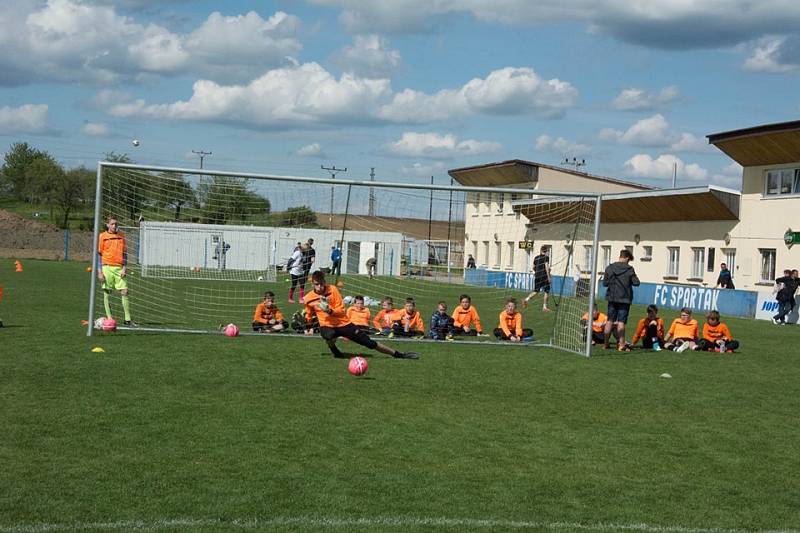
767,306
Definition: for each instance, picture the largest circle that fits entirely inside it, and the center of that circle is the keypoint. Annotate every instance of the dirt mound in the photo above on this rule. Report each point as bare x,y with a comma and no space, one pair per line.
24,238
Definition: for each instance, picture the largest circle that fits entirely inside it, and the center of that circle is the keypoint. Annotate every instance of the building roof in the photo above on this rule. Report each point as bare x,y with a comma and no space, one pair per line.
664,205
520,172
770,144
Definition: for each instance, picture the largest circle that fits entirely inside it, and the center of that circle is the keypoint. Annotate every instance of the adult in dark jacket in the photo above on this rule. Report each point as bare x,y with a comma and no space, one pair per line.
619,280
725,279
785,296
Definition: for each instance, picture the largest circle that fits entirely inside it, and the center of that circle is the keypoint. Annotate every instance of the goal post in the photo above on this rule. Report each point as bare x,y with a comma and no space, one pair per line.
204,246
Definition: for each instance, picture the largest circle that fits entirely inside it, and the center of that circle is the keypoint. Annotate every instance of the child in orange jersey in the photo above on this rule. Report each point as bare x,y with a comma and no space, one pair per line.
267,316
386,317
598,325
464,315
683,333
510,328
650,329
716,335
359,314
409,322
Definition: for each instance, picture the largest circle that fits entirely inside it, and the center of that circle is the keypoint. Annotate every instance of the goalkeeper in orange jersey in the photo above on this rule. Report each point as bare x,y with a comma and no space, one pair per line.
359,315
267,317
510,327
409,322
326,304
113,267
716,335
465,316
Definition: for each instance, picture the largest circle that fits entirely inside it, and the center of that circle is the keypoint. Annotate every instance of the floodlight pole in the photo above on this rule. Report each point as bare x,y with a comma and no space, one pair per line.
202,154
333,170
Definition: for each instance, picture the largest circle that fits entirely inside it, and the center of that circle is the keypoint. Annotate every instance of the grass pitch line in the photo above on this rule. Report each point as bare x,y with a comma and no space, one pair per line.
382,522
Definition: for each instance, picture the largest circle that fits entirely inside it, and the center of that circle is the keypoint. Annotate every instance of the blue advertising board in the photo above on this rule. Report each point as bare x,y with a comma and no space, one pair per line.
702,299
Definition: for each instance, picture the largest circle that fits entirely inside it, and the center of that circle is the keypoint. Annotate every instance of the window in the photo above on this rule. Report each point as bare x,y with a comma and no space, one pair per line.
784,181
730,258
486,253
498,247
475,251
647,253
501,198
712,253
510,259
698,262
587,258
606,256
477,204
488,203
674,261
767,265
629,247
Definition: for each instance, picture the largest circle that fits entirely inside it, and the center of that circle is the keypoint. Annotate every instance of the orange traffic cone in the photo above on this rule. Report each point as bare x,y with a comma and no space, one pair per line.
18,265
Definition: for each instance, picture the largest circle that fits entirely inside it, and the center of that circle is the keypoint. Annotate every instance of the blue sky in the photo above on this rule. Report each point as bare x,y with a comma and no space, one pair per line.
410,87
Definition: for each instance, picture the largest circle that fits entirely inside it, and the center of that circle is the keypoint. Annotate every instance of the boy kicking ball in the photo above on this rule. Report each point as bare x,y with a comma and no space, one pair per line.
326,304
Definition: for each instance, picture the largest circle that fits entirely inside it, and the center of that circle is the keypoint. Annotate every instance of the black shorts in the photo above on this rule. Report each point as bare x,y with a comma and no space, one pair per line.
351,332
618,312
541,285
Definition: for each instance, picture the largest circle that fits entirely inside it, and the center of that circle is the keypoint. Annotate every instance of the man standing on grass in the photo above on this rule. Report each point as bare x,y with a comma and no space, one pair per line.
541,278
326,304
112,271
620,279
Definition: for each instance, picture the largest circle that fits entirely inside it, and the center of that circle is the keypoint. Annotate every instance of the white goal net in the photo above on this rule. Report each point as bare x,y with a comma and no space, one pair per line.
204,247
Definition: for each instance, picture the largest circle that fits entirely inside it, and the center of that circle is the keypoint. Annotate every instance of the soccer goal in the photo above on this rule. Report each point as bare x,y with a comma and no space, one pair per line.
204,246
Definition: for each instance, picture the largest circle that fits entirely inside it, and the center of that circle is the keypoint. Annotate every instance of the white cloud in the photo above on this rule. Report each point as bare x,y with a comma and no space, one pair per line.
308,94
644,166
775,54
634,99
369,57
423,169
310,150
77,42
28,118
436,146
672,24
561,147
731,176
95,129
655,131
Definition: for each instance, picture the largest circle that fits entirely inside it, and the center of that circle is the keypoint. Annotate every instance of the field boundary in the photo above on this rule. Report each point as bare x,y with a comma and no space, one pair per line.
378,521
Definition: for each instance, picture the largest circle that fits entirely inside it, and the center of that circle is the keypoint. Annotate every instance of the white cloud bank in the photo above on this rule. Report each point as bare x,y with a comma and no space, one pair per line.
28,118
655,131
369,57
644,166
437,146
634,99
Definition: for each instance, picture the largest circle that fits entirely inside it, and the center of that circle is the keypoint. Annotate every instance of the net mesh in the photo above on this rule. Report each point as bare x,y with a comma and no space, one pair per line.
203,249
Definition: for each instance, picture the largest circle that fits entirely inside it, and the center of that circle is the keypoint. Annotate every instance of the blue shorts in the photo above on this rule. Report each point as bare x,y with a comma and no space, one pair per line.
618,312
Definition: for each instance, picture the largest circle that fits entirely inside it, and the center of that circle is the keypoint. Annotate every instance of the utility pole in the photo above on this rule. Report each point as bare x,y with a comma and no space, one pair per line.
371,211
202,154
333,170
430,216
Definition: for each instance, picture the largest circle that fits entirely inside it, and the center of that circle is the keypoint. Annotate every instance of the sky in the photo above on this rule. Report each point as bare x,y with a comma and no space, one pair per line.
410,88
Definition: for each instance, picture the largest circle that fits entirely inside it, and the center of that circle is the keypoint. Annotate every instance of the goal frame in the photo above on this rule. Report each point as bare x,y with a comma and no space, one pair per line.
366,184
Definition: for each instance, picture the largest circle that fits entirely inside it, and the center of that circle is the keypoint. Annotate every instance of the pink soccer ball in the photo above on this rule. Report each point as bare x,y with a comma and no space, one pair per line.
231,330
358,366
109,324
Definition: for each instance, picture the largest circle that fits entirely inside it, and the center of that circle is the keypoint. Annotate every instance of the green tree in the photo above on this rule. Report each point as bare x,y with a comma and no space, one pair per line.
176,192
227,199
125,189
17,159
300,216
70,190
41,178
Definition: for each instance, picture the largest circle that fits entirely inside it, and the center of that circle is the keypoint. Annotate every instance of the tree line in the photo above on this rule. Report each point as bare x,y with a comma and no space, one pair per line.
33,176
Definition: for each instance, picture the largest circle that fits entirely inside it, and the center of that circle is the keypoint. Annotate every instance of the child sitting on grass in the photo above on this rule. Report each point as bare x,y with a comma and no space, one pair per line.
716,335
441,323
409,322
650,329
598,325
267,317
386,317
510,327
359,315
464,316
683,332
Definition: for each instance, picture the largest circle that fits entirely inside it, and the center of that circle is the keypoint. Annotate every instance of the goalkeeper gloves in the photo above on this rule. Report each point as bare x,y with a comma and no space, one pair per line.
323,304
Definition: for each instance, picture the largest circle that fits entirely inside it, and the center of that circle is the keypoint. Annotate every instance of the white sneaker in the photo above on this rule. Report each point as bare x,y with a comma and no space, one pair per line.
775,321
683,347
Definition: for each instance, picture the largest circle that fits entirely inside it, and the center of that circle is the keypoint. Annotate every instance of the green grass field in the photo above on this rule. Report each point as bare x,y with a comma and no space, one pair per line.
179,432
